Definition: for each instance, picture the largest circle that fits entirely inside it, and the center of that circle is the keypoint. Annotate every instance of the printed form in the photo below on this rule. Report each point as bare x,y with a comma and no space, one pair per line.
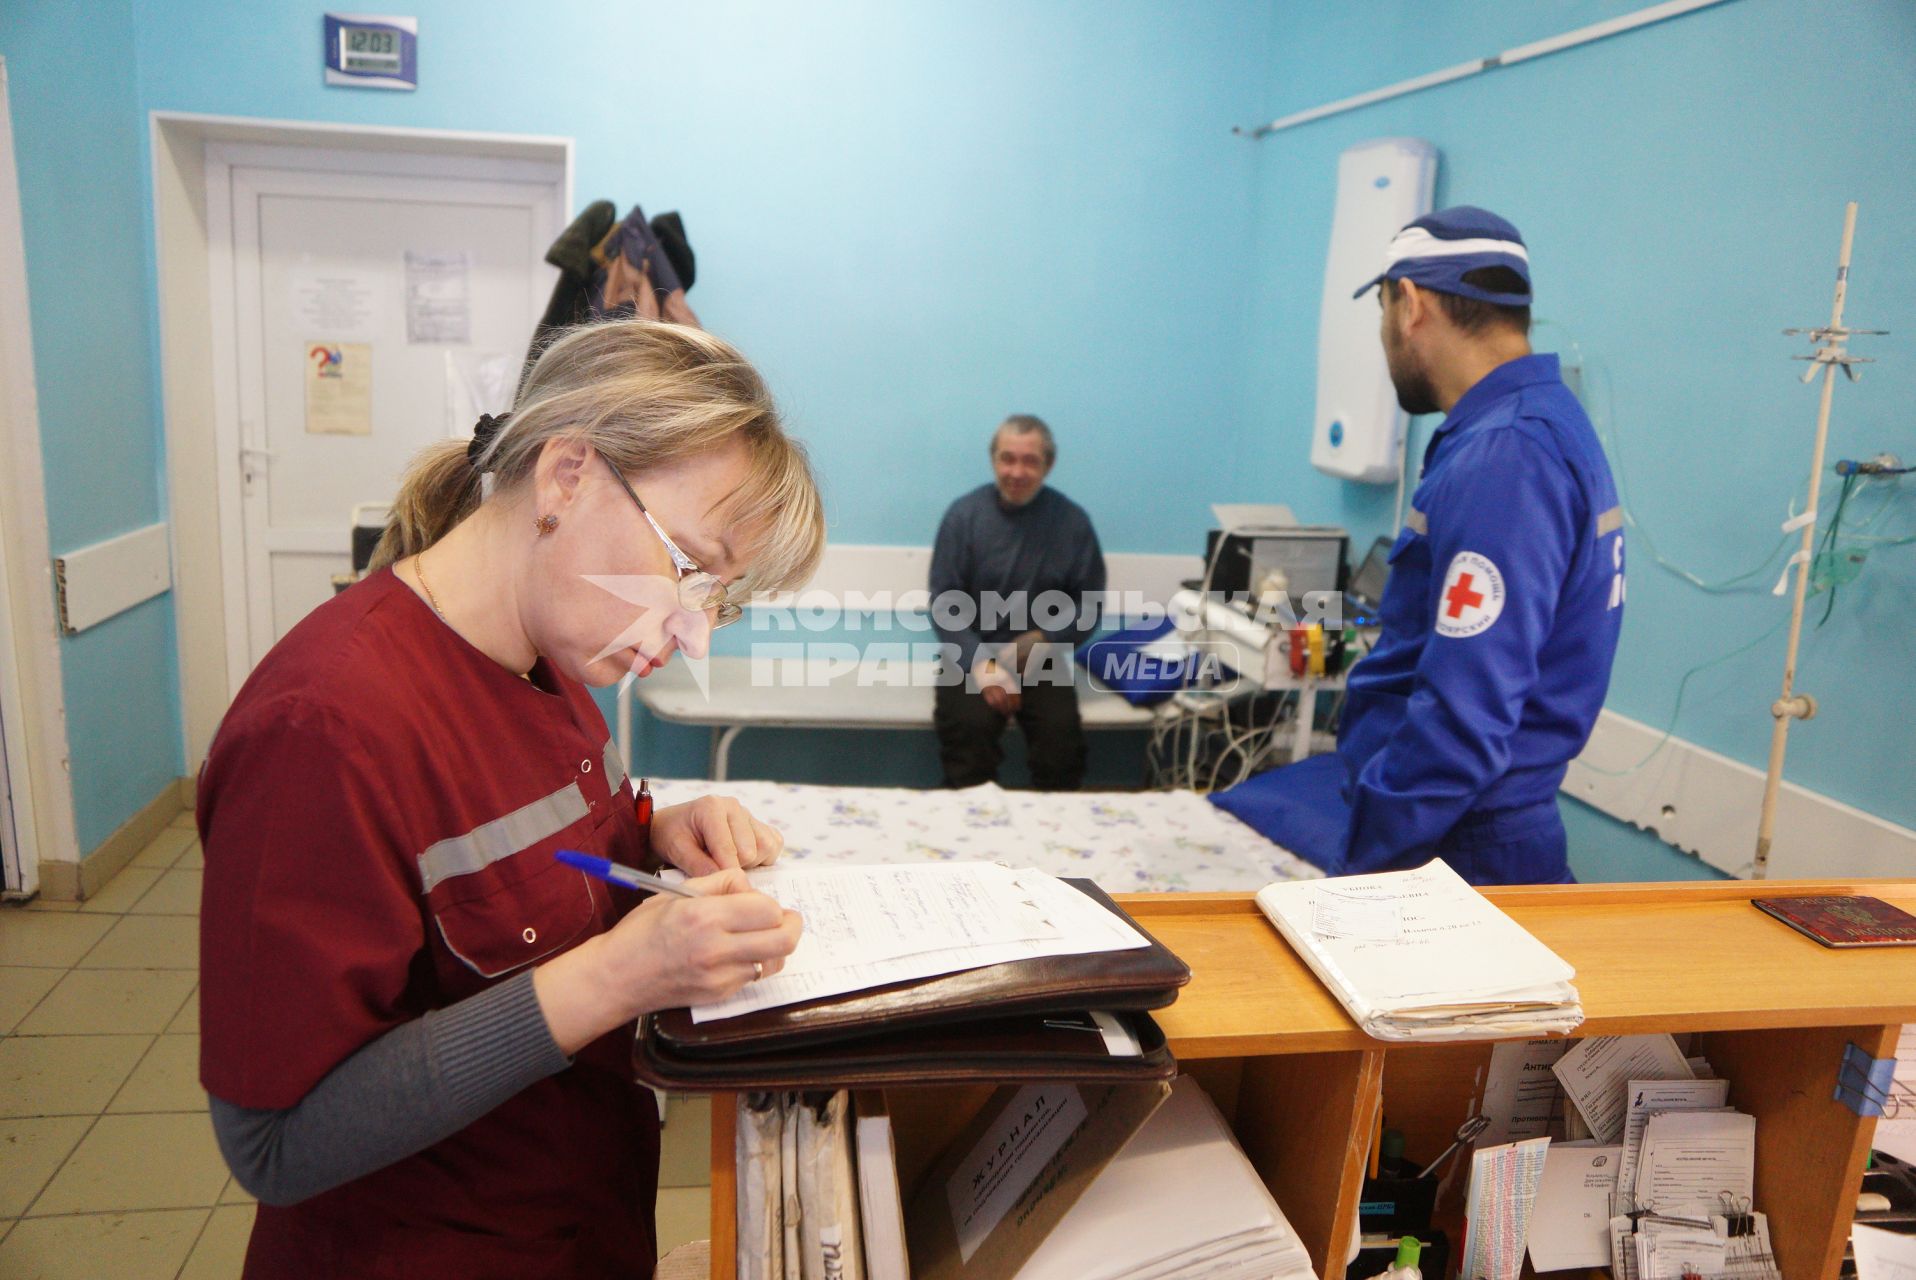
869,926
1694,1162
1647,1098
1596,1071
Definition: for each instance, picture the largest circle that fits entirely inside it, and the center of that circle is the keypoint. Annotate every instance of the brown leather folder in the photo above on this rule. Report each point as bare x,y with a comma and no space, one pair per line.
985,1023
1031,1047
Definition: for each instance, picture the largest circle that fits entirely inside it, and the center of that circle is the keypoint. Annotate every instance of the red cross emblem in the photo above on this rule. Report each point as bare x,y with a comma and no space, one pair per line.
1461,597
1472,598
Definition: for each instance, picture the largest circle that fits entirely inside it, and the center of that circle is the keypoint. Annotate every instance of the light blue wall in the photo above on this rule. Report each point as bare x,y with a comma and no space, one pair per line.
80,147
1681,189
917,217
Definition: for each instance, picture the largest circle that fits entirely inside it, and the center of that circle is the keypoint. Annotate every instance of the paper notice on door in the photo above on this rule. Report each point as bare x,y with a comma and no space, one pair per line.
333,302
339,388
1038,1121
438,296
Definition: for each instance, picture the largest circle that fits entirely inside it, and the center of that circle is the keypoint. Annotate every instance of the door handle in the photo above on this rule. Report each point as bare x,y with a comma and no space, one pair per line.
253,462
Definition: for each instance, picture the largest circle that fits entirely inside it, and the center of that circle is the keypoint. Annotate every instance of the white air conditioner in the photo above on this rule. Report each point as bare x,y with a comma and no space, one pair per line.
1359,429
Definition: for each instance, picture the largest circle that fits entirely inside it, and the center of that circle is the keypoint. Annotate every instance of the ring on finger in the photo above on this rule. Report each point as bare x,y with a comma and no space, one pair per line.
758,970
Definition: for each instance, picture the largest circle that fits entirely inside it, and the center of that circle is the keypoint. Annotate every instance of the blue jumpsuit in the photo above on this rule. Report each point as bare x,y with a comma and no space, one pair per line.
1500,622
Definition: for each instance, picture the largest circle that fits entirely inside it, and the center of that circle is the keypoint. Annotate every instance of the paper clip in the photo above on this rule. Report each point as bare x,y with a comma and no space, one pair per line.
1863,1083
1738,1220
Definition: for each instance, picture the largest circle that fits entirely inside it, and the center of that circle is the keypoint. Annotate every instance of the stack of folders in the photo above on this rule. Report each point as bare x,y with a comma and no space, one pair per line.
1420,955
927,974
1179,1202
798,1195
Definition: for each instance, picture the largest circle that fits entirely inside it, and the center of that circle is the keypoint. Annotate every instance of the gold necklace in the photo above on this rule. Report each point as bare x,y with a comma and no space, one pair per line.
419,567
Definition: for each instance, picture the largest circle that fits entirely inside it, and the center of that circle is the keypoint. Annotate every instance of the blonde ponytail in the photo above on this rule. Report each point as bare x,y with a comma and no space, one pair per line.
645,394
440,488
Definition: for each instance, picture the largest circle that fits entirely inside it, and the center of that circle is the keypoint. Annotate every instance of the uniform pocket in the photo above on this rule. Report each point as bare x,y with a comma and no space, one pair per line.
520,923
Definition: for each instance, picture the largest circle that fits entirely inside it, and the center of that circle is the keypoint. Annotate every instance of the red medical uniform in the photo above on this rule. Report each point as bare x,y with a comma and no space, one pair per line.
379,813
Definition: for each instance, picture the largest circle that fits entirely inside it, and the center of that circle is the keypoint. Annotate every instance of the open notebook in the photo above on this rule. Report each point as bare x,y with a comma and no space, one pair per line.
1420,955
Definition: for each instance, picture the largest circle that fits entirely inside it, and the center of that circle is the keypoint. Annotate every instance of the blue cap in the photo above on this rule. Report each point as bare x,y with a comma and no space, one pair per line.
1438,248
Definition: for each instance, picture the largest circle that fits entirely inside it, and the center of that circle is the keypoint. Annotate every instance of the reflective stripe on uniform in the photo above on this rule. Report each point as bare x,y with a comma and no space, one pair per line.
502,837
615,774
1415,522
1610,521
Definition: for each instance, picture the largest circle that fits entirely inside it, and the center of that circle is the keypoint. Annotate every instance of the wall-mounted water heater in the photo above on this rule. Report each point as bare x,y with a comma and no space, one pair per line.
1359,429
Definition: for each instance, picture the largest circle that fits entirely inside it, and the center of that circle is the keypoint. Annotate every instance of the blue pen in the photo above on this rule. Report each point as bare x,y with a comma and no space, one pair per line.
606,869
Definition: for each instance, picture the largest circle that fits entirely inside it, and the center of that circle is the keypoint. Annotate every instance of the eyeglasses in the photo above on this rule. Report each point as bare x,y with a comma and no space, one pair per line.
698,590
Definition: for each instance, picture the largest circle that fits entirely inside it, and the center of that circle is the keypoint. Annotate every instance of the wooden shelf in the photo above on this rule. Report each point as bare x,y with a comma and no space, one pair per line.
1300,1083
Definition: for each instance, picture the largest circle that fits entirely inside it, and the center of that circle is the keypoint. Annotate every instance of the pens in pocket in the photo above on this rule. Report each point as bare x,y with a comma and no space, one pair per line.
606,869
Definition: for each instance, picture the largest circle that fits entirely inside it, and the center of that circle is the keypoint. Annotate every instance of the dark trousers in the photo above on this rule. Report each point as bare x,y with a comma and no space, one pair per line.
969,732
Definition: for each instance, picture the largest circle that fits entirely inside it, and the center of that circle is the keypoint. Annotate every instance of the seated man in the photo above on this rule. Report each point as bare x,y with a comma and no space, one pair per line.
1505,599
1011,572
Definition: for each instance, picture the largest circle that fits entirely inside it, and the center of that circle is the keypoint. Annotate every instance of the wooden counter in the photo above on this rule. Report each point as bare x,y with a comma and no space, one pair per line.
1301,1084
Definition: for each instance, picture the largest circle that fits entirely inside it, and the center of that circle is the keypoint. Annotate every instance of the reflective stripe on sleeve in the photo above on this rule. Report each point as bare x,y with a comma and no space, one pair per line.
1415,522
502,837
1610,521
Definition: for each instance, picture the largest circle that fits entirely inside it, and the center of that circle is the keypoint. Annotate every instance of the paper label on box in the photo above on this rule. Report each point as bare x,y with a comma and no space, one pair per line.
988,1182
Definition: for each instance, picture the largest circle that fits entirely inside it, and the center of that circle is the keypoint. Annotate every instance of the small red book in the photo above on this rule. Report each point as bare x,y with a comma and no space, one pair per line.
1844,920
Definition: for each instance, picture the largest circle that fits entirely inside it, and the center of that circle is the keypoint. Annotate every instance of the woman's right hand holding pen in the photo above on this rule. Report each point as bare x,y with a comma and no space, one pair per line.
665,953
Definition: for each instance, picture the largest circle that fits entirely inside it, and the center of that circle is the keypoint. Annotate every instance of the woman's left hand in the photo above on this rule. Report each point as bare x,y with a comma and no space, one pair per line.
711,834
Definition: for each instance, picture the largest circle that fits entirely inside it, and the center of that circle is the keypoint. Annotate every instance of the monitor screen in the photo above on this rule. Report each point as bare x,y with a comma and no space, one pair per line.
1367,584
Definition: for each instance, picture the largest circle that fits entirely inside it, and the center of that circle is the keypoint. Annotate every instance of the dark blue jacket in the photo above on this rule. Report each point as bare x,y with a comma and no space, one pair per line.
1500,622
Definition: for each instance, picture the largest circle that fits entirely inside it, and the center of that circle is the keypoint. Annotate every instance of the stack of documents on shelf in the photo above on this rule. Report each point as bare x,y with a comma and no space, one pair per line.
798,1194
1180,1200
1658,1184
1673,1248
1420,955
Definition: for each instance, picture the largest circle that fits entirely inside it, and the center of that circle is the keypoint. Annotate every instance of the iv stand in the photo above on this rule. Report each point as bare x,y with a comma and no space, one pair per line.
1831,354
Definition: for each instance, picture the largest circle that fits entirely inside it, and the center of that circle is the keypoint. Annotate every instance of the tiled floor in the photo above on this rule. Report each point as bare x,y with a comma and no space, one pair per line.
108,1165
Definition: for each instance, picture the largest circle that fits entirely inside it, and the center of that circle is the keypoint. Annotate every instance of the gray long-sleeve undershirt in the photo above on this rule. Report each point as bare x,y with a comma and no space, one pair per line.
416,1085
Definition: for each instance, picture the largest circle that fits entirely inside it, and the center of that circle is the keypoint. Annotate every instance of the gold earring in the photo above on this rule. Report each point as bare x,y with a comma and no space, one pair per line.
546,524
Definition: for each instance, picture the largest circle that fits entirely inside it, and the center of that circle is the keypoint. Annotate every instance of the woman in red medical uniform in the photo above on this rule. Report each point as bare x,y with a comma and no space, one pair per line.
416,1025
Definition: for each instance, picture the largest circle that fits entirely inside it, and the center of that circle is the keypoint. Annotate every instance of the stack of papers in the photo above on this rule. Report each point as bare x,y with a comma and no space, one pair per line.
1179,1201
1420,955
869,926
1670,1249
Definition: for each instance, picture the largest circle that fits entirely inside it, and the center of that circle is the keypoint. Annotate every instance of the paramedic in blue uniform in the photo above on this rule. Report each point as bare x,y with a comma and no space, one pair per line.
1505,598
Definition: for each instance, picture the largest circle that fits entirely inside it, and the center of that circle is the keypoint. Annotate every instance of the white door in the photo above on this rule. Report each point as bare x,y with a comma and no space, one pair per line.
374,313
